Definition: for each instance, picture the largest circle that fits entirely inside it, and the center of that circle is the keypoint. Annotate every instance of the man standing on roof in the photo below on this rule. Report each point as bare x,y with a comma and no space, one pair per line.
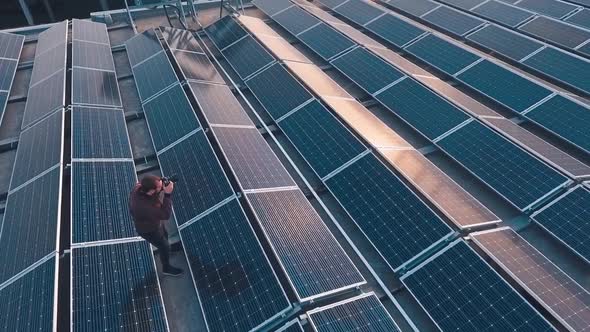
150,204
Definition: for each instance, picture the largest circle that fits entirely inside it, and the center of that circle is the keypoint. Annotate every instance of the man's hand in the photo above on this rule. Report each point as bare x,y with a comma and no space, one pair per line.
169,188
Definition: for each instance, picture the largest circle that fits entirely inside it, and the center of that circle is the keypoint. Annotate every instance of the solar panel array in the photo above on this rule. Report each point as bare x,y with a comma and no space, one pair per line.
461,292
555,290
10,48
361,313
29,236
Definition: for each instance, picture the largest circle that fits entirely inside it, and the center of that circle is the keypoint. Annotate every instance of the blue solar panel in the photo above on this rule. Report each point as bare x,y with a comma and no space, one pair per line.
237,287
219,105
453,21
39,148
252,160
44,98
202,182
358,11
48,63
362,313
565,118
278,91
28,302
326,41
394,30
505,42
313,260
504,86
552,8
90,31
154,75
115,287
97,87
7,70
414,7
271,7
195,66
562,66
510,171
48,39
322,140
585,49
393,218
555,31
296,20
142,46
29,229
567,219
11,45
581,18
330,3
463,4
503,13
225,31
92,55
247,56
367,70
443,55
170,117
461,292
421,108
99,133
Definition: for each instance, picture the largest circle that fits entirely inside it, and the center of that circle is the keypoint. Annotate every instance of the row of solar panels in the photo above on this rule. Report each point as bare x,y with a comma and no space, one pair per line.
453,288
563,34
10,48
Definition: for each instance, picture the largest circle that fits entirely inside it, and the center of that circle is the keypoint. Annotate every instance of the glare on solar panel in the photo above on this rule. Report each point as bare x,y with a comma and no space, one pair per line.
48,63
505,42
142,46
219,104
50,38
552,8
178,39
44,98
92,55
95,87
247,56
316,79
561,33
196,66
83,30
225,32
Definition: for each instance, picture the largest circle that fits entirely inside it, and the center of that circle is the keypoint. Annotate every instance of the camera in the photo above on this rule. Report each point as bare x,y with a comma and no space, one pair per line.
167,179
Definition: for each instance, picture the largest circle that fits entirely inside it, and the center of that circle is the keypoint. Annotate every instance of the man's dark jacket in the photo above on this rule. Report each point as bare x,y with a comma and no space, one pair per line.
148,211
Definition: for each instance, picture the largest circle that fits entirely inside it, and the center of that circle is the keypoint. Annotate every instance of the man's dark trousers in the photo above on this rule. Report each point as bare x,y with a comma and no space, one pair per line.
159,239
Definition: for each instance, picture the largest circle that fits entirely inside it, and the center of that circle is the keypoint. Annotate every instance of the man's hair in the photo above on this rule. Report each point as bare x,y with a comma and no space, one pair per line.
149,182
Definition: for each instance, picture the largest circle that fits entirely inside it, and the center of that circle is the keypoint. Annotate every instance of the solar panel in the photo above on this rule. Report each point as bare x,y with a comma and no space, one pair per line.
441,54
566,218
95,87
361,313
562,67
28,302
550,8
320,138
325,41
154,75
359,12
196,66
503,13
456,203
585,49
92,55
7,70
54,35
100,192
581,18
556,291
201,180
332,3
564,118
555,31
504,86
280,47
247,56
316,80
271,7
354,34
252,160
394,30
367,70
31,219
398,224
237,288
452,21
414,7
513,173
142,46
48,63
39,148
179,39
421,108
463,4
11,45
461,292
295,20
99,133
90,31
219,105
44,98
546,151
170,117
278,91
225,32
314,262
115,287
505,42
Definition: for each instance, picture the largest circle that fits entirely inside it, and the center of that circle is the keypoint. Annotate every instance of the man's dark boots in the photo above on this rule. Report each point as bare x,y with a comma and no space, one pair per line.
172,271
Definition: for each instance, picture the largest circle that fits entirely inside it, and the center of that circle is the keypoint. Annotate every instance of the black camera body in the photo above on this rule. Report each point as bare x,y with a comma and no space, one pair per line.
167,179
